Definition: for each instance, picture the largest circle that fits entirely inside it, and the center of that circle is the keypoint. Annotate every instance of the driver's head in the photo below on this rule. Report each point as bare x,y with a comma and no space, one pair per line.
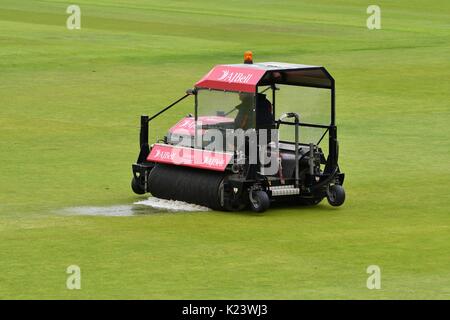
245,97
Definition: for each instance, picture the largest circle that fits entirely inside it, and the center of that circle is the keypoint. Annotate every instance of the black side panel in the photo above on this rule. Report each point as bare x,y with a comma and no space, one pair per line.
143,140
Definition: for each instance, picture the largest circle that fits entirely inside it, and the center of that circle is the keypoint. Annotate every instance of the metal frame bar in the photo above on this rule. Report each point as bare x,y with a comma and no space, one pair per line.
168,107
304,124
296,124
144,131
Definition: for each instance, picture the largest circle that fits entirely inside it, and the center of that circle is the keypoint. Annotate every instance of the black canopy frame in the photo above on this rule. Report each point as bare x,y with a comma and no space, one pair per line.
305,76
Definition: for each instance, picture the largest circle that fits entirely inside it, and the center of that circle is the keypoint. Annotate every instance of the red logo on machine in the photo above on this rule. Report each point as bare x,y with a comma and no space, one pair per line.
203,159
236,77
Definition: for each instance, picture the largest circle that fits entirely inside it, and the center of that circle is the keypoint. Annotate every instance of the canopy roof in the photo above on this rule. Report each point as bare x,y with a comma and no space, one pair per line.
246,77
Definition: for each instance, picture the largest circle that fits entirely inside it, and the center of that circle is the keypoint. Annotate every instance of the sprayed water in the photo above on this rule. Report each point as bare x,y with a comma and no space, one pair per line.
150,206
171,205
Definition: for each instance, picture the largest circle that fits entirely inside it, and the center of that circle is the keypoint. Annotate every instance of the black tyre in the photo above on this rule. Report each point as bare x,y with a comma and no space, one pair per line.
336,195
259,201
137,187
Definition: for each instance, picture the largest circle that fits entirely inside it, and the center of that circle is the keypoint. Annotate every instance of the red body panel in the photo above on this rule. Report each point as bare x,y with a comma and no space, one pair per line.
233,78
196,158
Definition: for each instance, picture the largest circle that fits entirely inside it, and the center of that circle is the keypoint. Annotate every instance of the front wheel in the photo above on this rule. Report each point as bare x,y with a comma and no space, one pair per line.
259,201
136,186
336,195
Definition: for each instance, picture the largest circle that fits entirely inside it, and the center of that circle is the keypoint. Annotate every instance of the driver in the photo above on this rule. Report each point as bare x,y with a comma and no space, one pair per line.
245,118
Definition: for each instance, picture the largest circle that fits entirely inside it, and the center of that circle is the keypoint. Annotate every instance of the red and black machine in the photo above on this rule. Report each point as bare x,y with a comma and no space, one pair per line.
255,137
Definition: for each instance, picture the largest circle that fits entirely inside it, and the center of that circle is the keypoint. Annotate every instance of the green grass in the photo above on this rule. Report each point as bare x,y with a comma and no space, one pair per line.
69,113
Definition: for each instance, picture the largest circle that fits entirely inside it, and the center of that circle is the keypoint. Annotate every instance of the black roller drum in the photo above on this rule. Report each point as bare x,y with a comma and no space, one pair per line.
186,184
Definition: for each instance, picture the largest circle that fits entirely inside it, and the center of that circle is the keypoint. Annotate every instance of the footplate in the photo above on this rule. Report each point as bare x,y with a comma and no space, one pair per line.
284,190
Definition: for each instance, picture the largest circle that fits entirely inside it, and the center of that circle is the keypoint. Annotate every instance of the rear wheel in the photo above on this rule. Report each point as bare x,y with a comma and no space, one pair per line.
336,195
136,186
259,201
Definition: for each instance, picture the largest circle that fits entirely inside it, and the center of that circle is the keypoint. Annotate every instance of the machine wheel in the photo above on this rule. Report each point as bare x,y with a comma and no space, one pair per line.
336,195
259,201
136,186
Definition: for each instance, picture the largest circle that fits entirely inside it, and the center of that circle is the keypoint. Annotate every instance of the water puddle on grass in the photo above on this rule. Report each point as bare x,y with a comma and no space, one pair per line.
171,205
150,206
